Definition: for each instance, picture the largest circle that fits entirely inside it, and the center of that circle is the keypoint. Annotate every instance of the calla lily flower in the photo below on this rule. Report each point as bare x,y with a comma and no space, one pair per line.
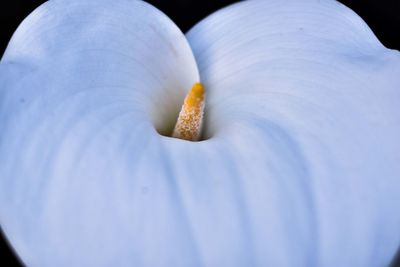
297,164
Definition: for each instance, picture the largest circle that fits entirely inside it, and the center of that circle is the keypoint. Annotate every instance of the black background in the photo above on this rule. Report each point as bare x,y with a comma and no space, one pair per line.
383,16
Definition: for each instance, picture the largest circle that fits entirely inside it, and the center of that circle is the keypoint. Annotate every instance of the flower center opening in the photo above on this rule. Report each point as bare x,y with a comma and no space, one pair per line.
189,123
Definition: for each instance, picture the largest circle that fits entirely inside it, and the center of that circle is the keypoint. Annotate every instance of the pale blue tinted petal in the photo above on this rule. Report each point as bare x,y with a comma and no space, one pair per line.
82,179
307,100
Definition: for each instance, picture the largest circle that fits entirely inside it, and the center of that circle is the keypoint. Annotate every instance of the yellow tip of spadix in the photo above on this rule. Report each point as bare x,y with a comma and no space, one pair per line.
188,125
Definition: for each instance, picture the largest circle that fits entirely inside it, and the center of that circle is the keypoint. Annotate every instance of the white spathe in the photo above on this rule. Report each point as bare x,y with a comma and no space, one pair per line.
300,168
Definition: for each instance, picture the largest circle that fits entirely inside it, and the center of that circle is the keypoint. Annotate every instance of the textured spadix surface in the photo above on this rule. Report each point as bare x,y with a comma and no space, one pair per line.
300,168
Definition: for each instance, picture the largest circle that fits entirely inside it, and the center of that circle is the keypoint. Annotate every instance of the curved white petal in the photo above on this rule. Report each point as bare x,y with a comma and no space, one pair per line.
308,101
302,129
82,83
102,43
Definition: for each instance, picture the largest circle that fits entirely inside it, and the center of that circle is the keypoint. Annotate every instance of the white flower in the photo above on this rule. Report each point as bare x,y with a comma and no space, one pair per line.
299,165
